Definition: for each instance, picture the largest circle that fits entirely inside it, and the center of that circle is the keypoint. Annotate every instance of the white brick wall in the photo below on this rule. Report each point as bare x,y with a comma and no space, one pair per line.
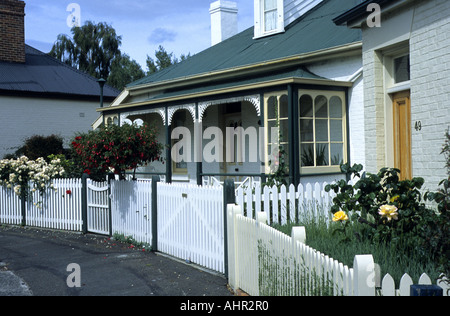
427,28
430,88
24,117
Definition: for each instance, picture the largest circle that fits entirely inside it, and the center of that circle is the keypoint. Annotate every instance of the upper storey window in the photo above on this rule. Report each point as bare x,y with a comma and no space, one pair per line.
269,17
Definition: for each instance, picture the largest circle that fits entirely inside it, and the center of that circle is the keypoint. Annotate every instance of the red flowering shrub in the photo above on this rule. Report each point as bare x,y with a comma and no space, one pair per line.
115,149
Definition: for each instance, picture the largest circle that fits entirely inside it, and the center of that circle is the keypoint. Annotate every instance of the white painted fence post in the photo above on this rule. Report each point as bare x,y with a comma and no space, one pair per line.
364,275
261,217
298,234
233,269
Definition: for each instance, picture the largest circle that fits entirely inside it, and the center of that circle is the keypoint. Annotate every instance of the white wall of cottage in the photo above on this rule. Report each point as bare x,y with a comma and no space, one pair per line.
424,28
23,117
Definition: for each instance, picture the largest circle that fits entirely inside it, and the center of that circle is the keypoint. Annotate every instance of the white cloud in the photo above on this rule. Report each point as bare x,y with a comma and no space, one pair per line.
161,35
181,26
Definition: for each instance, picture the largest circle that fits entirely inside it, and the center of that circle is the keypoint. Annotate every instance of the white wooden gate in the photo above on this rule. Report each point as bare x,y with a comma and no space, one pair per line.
191,224
131,203
98,214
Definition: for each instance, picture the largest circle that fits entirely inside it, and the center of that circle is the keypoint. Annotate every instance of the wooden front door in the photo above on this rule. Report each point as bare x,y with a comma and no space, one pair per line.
402,134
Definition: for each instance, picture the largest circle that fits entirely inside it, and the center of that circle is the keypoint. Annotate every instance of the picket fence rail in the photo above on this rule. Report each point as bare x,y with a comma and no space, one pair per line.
190,226
284,204
58,208
10,207
265,262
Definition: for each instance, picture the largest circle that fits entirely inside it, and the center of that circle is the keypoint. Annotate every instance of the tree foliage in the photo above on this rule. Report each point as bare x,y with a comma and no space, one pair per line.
123,71
92,48
163,60
95,49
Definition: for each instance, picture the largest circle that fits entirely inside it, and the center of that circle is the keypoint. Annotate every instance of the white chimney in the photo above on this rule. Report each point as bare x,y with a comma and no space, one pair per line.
224,20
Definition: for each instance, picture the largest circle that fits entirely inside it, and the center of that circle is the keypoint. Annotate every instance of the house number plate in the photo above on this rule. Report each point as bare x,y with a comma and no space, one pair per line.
418,125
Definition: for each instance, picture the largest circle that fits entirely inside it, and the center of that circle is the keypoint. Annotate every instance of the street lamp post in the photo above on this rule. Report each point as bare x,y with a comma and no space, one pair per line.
101,82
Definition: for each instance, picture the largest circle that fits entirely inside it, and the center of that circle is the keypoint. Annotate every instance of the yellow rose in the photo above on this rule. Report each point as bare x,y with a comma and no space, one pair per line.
389,212
340,216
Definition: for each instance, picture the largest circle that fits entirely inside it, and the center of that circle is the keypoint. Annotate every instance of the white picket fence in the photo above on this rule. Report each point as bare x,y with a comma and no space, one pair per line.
10,207
55,209
263,261
285,203
131,203
191,224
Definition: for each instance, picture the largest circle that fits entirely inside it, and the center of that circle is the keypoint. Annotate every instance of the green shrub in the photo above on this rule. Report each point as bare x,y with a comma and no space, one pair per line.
374,194
38,146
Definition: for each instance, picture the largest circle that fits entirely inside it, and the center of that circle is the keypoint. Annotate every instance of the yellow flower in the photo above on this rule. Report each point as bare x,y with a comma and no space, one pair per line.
389,212
394,198
340,216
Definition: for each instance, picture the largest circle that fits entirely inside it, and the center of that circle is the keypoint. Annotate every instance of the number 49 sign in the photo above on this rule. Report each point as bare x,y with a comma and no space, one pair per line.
418,126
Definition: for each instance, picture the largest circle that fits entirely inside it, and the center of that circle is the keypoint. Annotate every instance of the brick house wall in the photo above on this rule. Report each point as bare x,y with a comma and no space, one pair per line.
12,33
423,28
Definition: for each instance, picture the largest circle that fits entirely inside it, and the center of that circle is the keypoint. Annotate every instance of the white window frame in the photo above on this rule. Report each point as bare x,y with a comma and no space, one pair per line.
260,21
305,170
268,141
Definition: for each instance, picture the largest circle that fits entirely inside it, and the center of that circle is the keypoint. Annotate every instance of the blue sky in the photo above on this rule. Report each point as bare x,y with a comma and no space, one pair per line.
181,26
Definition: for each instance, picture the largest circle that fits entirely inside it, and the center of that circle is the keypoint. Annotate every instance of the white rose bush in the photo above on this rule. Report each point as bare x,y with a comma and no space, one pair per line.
26,176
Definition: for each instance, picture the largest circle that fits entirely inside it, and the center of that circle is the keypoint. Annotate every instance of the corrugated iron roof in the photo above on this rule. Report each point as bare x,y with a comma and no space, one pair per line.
44,74
314,31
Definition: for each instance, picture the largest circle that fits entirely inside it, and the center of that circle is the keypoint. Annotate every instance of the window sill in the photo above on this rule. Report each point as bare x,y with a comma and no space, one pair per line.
398,87
305,171
266,34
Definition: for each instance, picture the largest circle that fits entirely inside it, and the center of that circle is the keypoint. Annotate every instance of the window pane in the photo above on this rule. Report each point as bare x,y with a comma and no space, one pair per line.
273,131
284,106
285,154
322,155
270,5
337,154
321,106
336,132
284,129
402,69
306,131
272,108
335,107
307,155
321,130
270,20
306,106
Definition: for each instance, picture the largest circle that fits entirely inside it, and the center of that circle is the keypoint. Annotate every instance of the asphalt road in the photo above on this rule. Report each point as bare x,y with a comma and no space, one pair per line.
35,262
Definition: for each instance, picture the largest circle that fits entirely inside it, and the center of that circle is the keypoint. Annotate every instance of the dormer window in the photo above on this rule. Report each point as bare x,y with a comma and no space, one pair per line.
269,17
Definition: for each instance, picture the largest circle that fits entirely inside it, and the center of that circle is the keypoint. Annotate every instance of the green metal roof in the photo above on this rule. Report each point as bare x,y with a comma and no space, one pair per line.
292,73
314,31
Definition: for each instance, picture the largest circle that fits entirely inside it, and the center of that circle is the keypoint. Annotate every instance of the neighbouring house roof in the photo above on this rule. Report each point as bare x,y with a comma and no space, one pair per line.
42,74
314,31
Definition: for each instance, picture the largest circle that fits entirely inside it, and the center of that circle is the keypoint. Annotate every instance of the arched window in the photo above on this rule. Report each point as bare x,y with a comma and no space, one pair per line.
277,128
322,131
